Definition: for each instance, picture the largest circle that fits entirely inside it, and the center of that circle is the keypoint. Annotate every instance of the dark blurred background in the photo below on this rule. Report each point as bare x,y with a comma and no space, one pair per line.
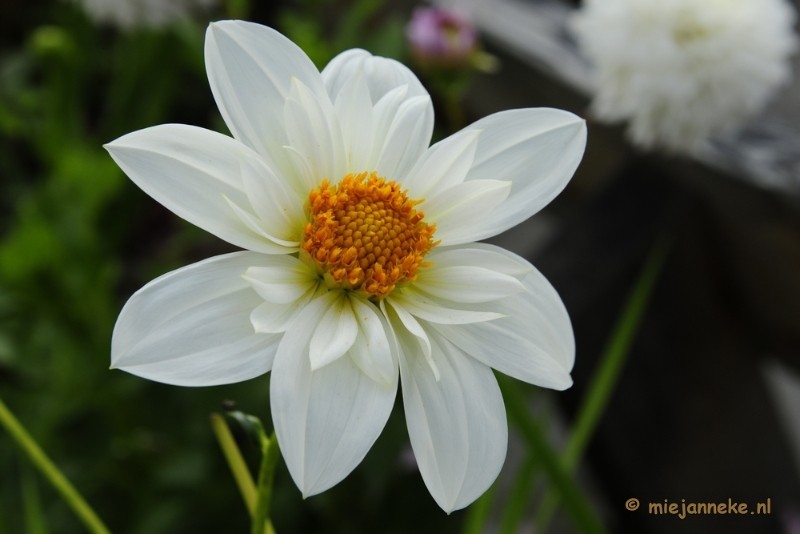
703,410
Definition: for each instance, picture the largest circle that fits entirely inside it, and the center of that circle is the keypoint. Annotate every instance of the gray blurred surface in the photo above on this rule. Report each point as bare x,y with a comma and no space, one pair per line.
693,416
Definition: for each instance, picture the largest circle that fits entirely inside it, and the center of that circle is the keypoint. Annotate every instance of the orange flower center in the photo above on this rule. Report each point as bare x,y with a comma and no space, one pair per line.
364,234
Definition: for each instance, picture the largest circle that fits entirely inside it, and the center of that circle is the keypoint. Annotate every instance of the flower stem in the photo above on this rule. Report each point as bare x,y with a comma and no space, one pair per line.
271,453
235,461
48,469
258,500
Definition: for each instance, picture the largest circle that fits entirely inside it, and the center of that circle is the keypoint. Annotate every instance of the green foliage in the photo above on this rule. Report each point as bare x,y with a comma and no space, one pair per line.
77,238
362,24
66,233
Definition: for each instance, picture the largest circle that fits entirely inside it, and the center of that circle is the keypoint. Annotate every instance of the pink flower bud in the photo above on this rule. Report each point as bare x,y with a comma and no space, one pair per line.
441,37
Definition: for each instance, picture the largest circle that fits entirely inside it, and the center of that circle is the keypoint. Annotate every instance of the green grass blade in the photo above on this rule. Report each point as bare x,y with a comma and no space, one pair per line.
608,371
35,522
521,495
578,508
48,469
478,512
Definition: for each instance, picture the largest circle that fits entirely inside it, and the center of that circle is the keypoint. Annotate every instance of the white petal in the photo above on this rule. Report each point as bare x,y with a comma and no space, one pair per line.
372,351
325,420
335,334
313,129
467,284
273,200
407,139
457,425
383,114
534,343
537,150
257,226
305,178
419,305
191,327
342,68
461,210
190,171
281,279
443,165
403,112
302,133
403,321
382,74
479,255
272,318
250,68
354,109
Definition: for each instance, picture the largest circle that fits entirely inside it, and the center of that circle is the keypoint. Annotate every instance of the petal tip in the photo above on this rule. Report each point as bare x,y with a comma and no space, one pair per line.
319,362
219,25
213,27
449,509
115,362
436,374
566,384
388,383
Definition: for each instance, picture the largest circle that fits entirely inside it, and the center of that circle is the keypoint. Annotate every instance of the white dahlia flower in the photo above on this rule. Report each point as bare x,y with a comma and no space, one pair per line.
141,13
682,70
360,260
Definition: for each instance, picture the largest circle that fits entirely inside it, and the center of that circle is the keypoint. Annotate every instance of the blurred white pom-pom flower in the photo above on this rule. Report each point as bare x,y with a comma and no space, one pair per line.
682,70
141,13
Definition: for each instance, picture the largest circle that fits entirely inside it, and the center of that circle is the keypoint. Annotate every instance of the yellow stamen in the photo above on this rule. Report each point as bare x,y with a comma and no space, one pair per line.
365,234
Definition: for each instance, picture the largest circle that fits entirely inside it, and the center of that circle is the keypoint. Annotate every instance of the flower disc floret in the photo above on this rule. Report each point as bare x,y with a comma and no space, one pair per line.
365,234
